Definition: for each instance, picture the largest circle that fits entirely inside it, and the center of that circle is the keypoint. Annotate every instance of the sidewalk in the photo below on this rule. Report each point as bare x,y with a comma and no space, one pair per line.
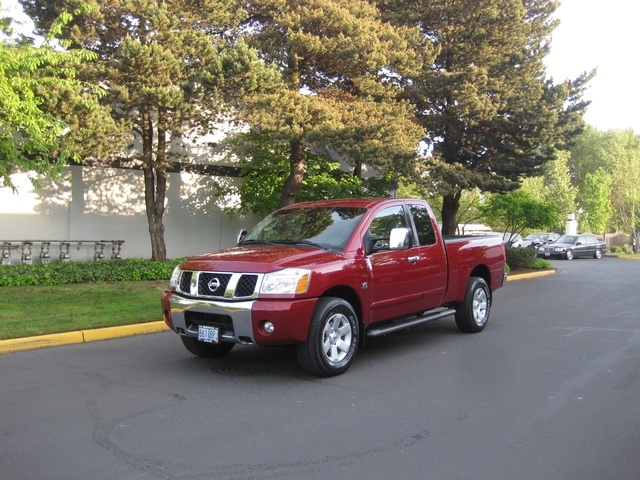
94,335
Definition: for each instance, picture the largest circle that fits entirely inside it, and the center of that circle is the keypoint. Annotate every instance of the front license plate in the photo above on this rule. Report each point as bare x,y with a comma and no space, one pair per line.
208,334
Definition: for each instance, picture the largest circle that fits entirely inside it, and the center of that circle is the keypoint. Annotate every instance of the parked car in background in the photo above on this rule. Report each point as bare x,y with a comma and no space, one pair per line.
512,240
536,240
572,246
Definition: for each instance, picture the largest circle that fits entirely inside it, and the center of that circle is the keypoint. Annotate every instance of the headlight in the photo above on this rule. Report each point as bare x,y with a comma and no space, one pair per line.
559,249
174,281
289,280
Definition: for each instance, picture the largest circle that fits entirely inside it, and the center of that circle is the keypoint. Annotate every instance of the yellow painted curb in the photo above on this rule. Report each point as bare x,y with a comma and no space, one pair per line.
522,276
123,331
42,341
94,335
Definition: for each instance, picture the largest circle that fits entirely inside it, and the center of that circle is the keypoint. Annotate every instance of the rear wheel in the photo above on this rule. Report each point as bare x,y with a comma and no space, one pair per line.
333,339
206,350
598,253
472,314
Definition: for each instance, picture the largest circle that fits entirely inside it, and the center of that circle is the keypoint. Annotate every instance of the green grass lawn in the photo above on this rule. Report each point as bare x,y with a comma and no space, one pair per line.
28,311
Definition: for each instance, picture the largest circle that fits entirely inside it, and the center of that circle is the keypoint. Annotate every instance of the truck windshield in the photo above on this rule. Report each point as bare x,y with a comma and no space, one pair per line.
326,227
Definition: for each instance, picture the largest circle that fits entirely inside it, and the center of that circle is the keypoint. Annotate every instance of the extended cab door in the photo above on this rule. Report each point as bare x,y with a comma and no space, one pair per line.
432,261
395,275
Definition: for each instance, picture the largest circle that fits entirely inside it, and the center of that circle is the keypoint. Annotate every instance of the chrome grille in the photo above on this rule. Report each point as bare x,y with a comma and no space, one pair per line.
212,284
219,285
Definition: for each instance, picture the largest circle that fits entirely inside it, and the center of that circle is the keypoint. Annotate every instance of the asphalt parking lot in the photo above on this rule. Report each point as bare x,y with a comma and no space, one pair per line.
548,391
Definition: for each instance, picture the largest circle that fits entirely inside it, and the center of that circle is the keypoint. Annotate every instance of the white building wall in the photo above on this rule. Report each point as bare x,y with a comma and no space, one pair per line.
89,204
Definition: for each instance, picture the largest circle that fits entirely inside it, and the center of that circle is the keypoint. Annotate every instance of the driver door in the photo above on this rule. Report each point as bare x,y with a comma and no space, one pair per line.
395,275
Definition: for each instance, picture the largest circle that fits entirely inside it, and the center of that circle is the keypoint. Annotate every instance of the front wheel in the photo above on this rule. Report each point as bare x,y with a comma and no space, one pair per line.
206,350
333,338
569,255
472,314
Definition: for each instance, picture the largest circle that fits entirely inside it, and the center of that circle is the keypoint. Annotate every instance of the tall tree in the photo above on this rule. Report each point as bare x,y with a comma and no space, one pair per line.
623,150
162,67
490,115
596,204
45,107
554,186
340,66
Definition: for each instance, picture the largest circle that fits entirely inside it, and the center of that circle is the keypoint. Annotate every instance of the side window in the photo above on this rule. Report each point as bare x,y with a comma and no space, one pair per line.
377,236
422,219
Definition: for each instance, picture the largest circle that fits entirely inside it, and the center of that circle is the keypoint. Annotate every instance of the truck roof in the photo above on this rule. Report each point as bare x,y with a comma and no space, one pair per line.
349,202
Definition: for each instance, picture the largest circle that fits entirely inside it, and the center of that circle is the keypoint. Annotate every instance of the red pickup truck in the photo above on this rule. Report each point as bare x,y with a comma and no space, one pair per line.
325,275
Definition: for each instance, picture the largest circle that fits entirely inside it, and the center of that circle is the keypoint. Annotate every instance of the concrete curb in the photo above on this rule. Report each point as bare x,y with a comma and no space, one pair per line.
522,276
84,336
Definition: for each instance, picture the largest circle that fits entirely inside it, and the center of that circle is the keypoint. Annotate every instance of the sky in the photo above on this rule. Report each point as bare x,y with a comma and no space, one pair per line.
604,35
592,34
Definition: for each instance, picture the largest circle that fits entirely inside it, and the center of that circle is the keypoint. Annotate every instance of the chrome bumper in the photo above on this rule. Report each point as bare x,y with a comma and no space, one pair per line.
239,312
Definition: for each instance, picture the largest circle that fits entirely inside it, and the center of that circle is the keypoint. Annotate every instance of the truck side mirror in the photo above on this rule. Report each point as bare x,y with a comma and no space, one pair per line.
400,238
241,234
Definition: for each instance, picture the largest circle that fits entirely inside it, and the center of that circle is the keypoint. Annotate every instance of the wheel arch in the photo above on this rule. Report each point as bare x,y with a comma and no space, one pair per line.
349,295
483,272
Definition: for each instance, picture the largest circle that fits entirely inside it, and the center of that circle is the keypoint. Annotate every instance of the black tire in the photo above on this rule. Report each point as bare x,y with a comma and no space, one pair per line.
206,350
569,255
333,338
598,253
472,315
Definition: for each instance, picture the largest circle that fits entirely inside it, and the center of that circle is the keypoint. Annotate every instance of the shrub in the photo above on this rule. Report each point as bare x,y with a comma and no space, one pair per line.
616,249
519,258
540,264
626,249
126,270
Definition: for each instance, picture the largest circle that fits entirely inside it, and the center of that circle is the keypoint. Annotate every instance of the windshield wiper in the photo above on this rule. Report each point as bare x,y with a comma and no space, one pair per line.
256,242
290,241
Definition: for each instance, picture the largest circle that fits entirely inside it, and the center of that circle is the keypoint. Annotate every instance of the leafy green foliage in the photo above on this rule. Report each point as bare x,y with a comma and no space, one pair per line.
514,211
540,264
45,107
519,258
596,202
265,168
126,270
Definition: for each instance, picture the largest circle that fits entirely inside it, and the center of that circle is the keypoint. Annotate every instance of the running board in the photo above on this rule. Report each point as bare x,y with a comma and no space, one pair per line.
402,324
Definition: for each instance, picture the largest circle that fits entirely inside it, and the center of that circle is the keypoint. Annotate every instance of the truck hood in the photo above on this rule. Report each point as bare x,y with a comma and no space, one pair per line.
259,259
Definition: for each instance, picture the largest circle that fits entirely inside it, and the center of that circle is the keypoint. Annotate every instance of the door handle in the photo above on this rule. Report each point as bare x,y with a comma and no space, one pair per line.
414,259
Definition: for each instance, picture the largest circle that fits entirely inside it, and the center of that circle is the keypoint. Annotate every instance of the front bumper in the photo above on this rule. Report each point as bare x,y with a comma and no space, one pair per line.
240,322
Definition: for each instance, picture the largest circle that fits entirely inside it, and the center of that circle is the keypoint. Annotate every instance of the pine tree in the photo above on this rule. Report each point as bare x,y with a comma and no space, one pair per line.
489,114
163,66
340,67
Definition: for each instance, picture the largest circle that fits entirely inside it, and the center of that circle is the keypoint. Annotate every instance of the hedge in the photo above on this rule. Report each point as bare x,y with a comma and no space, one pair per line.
125,270
519,258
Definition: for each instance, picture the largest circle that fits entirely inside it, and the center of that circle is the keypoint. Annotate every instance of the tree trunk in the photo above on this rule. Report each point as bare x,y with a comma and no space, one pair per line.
155,188
450,207
291,186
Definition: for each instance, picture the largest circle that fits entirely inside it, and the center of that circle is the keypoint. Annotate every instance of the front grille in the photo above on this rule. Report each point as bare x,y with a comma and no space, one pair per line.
193,319
219,285
213,284
246,285
185,282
